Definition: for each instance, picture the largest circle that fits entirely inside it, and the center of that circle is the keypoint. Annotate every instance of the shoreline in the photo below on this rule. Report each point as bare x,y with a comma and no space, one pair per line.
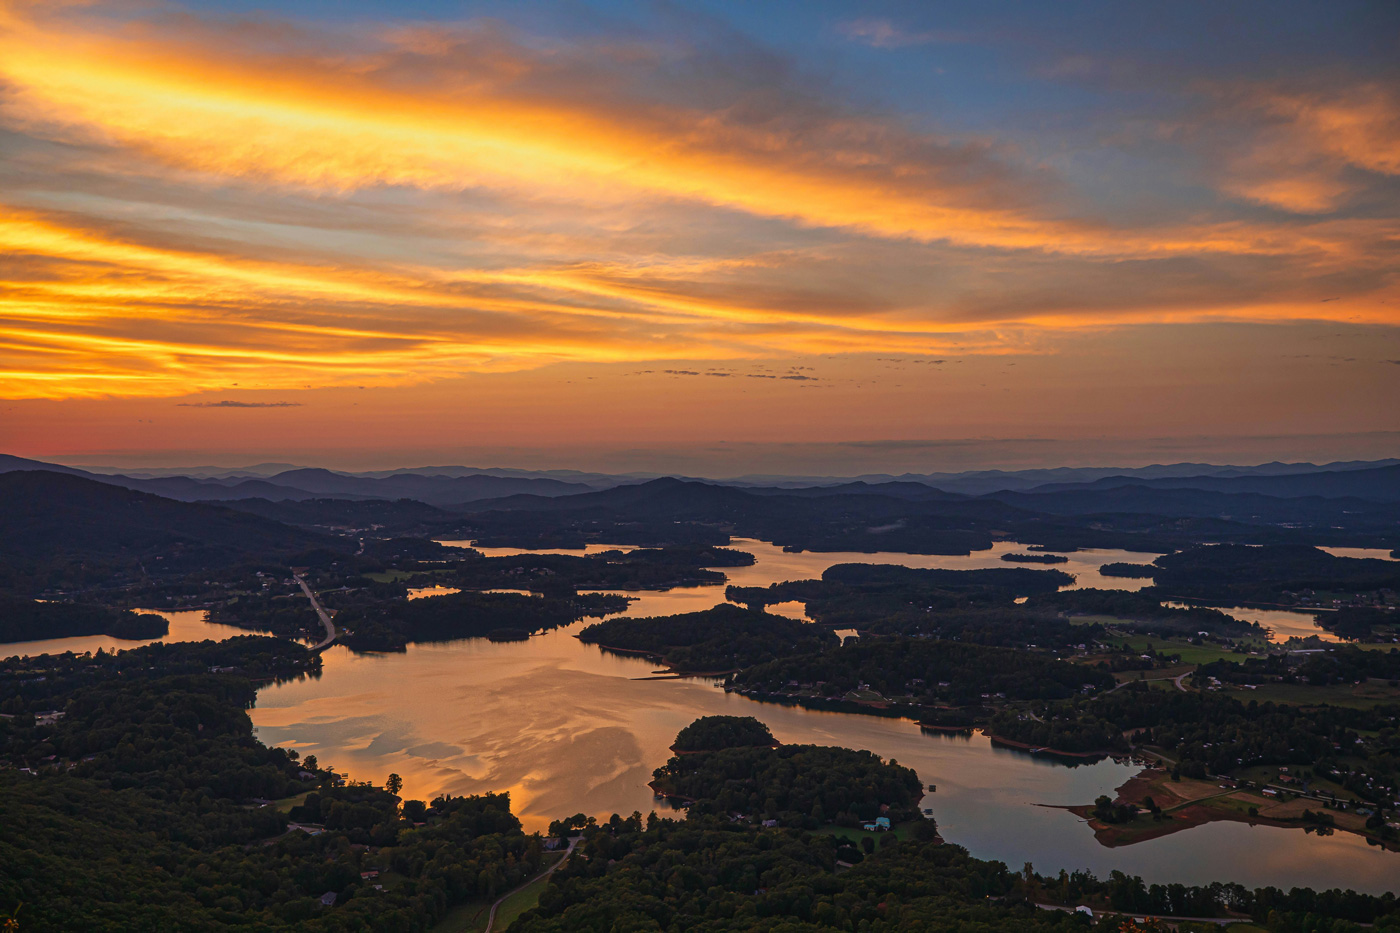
1046,750
1212,805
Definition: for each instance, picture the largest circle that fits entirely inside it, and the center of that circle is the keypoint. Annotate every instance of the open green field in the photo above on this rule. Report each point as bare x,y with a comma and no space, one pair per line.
525,899
1190,654
1163,673
286,803
1354,696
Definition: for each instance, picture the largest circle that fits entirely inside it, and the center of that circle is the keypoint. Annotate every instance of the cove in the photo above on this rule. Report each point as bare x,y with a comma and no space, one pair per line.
567,728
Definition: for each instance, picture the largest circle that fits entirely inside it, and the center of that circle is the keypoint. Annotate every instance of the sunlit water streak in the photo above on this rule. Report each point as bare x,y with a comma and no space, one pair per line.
774,565
1374,553
185,625
1282,624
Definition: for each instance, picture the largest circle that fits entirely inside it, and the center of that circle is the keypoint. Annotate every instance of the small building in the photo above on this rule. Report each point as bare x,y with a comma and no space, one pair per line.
882,823
328,899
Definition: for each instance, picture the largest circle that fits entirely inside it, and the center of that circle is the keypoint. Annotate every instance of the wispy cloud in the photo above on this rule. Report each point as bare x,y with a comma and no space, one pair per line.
884,34
191,205
1309,151
228,403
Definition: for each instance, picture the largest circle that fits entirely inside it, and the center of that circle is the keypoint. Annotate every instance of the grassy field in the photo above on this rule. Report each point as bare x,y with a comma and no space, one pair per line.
519,902
1354,696
1163,673
1190,654
286,803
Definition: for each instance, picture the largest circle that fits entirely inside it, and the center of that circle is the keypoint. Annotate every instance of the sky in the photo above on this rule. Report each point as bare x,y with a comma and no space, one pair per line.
703,237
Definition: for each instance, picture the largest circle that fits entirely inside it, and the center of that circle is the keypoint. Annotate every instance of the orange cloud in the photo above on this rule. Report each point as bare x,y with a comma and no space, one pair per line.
606,231
97,314
352,122
1301,157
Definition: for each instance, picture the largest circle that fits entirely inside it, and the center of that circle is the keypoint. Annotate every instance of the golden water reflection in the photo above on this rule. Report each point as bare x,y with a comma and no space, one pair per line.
185,625
567,728
774,565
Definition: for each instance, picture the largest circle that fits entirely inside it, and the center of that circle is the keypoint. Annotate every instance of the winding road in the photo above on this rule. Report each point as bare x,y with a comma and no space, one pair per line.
491,919
320,611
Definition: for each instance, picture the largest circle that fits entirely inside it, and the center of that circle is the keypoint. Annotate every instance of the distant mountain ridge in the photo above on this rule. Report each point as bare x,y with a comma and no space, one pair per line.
312,483
467,487
50,519
1378,484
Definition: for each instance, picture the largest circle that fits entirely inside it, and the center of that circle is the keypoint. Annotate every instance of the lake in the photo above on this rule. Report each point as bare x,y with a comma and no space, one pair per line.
567,727
185,625
774,565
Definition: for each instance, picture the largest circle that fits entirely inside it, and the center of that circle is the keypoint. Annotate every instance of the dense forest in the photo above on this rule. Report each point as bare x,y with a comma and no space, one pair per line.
797,785
1142,611
391,624
144,806
888,598
716,871
562,574
29,620
710,733
1212,733
922,672
1345,664
712,876
1273,574
724,638
1128,571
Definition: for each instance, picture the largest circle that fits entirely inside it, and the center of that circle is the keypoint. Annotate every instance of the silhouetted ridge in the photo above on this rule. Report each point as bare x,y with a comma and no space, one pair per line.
47,518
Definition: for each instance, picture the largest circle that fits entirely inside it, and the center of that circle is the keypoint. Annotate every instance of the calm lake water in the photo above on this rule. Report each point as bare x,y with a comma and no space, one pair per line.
566,727
185,625
774,565
1376,553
